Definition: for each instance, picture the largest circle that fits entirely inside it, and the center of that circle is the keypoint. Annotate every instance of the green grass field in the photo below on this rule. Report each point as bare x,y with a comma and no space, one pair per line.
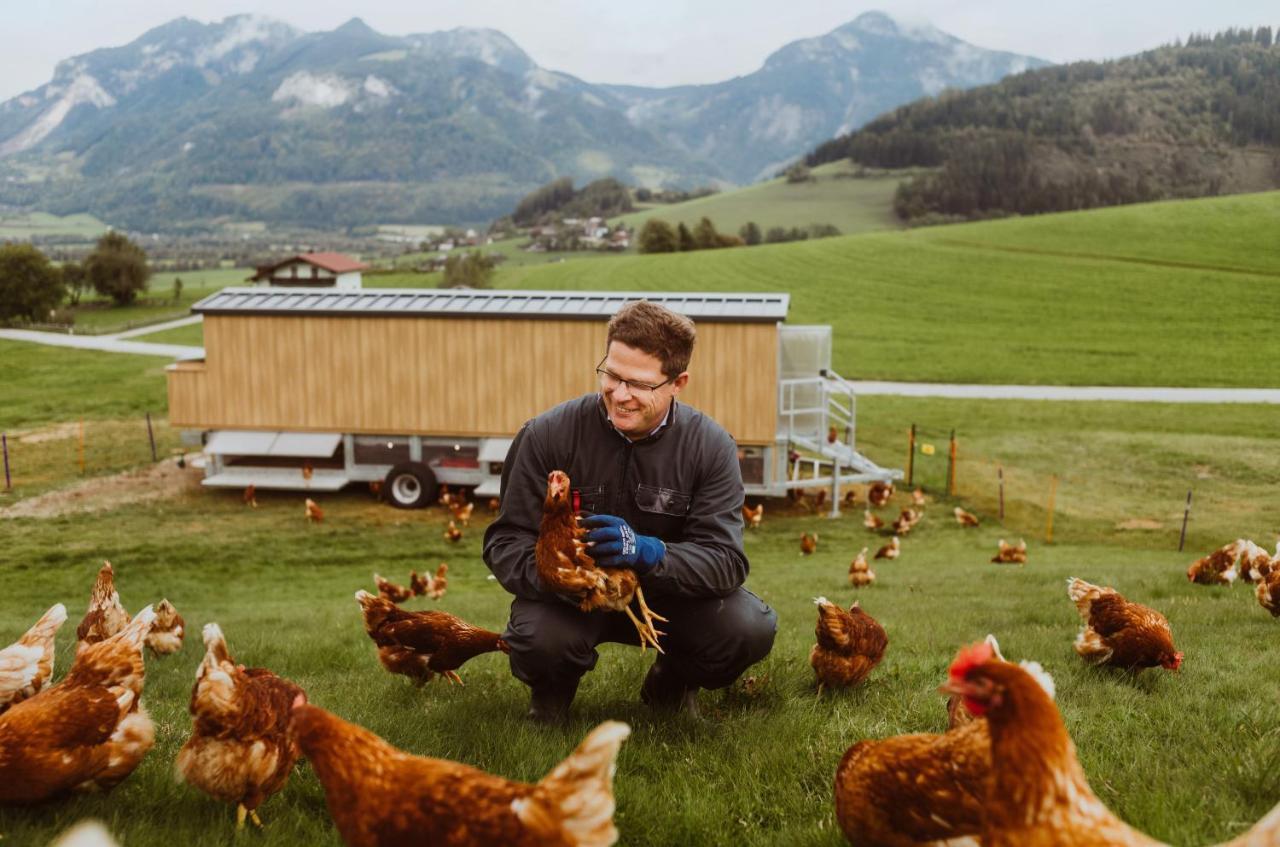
833,196
31,224
958,304
99,315
1189,757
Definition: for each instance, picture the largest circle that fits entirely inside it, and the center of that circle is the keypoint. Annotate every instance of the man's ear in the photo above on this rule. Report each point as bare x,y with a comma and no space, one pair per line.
678,384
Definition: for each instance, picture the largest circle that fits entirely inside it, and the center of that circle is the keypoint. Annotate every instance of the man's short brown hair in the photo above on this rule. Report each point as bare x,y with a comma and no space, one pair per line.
656,330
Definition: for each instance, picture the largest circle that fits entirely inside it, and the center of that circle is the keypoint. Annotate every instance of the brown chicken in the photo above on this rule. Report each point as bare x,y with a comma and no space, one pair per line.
27,664
808,543
419,584
1038,795
313,511
439,583
879,493
920,789
890,550
250,496
1268,592
850,497
167,631
1256,564
860,573
393,591
423,644
1219,567
240,750
87,732
462,512
906,521
1010,554
564,566
1119,633
105,616
307,471
917,497
752,517
850,644
833,435
446,497
965,519
380,796
452,533
871,520
494,504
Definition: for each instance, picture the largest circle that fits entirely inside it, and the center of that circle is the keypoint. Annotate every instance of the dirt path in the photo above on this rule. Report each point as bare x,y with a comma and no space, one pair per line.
164,480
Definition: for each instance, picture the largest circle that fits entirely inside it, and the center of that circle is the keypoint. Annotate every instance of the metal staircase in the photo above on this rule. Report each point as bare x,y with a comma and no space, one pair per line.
812,401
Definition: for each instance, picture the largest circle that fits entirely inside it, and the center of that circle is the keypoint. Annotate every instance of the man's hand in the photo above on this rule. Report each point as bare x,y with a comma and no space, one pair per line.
614,544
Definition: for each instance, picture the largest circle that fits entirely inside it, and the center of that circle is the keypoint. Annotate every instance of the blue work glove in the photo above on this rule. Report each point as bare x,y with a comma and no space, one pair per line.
614,544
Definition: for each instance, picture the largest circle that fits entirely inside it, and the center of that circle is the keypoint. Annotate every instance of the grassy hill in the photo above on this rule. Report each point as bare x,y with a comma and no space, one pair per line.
1158,294
1186,120
835,195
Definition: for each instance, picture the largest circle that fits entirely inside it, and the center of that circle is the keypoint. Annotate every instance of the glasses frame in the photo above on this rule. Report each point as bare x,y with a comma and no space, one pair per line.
631,384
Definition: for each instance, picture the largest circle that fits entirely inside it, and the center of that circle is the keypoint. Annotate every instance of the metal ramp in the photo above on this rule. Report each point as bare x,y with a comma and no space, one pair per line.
817,417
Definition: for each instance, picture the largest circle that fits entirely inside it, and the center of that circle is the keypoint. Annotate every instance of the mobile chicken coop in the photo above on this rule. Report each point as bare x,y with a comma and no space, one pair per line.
312,390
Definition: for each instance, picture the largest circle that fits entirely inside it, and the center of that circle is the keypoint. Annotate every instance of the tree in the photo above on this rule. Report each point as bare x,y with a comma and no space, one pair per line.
705,236
177,288
470,270
684,238
30,287
657,236
750,234
117,268
799,172
77,281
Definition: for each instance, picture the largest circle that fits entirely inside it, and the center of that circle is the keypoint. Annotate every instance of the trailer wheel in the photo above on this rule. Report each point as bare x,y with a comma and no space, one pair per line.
409,485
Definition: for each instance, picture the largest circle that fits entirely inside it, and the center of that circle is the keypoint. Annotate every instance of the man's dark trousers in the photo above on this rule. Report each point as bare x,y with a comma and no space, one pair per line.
708,642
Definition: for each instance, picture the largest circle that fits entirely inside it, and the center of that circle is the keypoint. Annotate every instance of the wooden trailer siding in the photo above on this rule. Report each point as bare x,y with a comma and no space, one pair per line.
442,376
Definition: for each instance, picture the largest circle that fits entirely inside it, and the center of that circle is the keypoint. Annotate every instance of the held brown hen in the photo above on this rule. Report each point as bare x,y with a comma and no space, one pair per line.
27,664
105,616
240,750
87,732
423,644
1119,633
850,644
380,796
564,566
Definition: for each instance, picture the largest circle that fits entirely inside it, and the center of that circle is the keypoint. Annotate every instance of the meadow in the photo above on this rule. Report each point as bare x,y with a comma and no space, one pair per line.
834,194
97,315
33,224
1188,757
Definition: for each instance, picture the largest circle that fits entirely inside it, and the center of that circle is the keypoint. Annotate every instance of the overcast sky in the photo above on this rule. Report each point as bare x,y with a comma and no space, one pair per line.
651,42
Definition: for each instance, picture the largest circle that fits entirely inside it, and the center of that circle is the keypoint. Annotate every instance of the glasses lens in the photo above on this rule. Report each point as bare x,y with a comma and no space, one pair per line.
609,382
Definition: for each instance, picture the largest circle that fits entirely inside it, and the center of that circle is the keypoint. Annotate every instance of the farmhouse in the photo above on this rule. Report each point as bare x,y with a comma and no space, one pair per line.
417,387
311,270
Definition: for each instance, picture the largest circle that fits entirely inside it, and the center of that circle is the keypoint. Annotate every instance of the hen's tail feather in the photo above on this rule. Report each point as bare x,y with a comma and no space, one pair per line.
1082,594
136,632
43,630
577,796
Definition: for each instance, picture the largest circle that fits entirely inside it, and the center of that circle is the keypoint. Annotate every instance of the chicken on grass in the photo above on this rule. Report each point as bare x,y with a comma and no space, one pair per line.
380,796
240,750
422,644
565,567
27,664
849,645
1117,632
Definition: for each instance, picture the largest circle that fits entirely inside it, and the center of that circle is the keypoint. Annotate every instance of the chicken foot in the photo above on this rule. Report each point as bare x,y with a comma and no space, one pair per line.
241,812
647,628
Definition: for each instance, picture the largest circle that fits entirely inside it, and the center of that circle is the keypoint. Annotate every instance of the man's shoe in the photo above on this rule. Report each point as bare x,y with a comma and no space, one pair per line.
549,704
663,690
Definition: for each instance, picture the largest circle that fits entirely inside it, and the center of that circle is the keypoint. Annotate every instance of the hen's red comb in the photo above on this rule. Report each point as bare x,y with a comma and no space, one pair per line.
970,657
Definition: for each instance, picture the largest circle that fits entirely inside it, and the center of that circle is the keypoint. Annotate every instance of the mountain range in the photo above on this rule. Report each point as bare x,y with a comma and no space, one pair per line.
252,119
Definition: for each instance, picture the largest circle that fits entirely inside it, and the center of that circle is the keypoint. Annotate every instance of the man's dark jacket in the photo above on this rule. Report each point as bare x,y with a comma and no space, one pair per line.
682,484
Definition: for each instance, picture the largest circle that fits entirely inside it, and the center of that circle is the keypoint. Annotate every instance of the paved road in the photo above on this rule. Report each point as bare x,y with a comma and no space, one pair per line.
1070,392
106,343
121,344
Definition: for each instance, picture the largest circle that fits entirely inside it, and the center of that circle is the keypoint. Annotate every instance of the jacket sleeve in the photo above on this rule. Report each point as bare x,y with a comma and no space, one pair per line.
708,561
510,540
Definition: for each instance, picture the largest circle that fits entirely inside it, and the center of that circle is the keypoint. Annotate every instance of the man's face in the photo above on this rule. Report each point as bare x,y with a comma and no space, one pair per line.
634,411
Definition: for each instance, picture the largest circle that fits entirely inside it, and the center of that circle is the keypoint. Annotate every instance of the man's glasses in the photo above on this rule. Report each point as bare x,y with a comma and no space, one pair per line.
609,381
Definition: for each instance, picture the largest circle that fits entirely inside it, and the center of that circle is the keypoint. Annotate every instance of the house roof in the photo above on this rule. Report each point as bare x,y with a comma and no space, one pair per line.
570,305
338,263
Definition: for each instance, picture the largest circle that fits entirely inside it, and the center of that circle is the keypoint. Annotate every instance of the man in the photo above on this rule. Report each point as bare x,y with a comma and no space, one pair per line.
661,492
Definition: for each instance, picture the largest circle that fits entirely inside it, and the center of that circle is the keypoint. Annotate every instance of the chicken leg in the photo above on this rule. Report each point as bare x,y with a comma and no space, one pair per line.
647,628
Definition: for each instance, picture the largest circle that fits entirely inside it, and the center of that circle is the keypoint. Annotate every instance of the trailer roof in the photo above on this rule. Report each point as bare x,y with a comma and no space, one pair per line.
574,305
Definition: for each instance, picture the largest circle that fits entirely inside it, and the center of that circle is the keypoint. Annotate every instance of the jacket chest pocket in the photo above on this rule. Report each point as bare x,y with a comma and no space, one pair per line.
663,509
589,499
